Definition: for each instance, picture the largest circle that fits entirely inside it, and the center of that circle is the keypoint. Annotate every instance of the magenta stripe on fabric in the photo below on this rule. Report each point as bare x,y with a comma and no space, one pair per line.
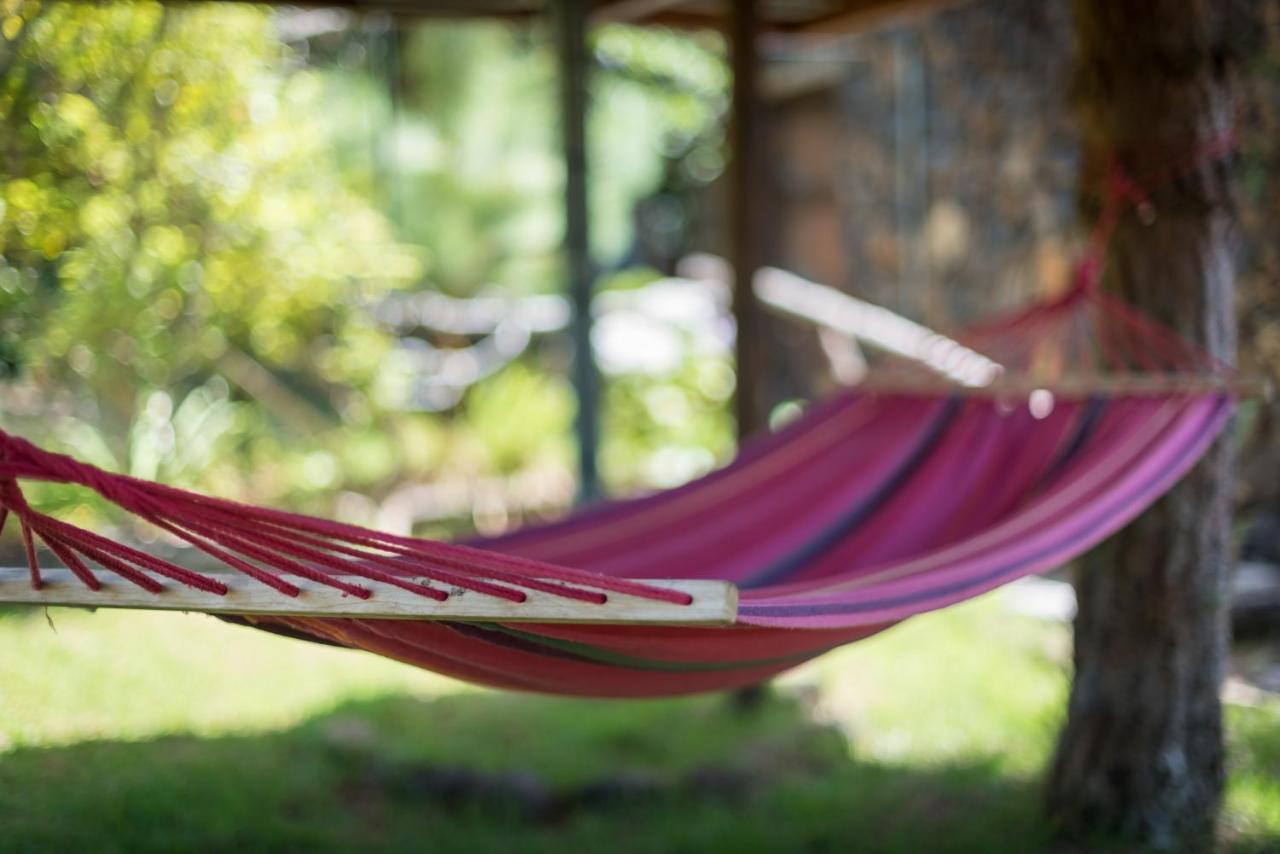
912,523
1134,491
865,507
548,539
1123,420
846,453
781,515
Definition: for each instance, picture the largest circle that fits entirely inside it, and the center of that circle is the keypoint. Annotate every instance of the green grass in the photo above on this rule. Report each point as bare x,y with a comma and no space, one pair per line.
157,732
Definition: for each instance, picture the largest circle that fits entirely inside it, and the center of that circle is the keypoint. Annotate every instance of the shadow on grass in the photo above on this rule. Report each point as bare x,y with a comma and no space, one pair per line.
488,772
491,772
508,772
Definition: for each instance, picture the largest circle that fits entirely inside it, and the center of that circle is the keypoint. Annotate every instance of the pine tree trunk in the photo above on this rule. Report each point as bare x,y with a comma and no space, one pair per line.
1141,755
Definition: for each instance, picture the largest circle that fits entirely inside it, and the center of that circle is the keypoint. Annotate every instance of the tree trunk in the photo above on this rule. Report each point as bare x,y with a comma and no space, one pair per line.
1141,755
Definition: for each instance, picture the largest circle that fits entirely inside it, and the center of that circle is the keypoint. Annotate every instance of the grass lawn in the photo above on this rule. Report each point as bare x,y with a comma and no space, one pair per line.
158,732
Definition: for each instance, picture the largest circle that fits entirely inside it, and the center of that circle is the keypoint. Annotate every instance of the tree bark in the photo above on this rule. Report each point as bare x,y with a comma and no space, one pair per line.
1141,755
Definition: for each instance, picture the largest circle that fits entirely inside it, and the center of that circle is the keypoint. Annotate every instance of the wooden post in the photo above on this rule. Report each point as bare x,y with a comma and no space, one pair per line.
743,213
744,243
1141,755
571,35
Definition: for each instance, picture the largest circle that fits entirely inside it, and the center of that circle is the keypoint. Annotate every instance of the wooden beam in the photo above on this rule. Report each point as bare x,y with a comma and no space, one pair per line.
863,15
714,603
743,212
631,11
678,19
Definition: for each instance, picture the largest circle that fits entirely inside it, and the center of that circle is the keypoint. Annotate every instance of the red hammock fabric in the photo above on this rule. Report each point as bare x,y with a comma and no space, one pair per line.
874,507
870,511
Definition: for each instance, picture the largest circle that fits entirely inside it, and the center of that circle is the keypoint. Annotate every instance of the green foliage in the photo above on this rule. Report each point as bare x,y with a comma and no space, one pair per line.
663,431
474,147
168,198
518,415
474,152
196,216
173,220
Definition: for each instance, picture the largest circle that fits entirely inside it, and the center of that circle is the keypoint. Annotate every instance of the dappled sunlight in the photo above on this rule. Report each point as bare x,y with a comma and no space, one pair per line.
136,674
236,258
484,772
970,683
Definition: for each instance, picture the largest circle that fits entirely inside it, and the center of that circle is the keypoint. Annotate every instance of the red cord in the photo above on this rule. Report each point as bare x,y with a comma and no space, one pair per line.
281,543
1122,191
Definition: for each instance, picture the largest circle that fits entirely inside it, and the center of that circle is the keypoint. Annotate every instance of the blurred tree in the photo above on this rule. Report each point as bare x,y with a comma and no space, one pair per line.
1141,754
171,215
195,215
472,149
472,154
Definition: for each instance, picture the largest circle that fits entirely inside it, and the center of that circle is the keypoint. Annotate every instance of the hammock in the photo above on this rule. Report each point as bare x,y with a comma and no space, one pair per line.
1026,442
886,501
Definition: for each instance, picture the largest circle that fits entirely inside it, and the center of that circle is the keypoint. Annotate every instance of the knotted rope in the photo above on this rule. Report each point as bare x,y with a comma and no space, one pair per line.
269,544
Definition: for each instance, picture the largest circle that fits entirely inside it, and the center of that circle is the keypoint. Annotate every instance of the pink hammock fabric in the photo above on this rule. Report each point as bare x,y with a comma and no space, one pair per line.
877,508
874,507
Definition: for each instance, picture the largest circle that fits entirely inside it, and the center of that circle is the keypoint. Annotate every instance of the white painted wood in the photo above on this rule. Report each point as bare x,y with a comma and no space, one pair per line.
714,603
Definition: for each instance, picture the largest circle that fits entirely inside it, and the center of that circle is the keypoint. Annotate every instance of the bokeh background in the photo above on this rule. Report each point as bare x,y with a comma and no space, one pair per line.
311,258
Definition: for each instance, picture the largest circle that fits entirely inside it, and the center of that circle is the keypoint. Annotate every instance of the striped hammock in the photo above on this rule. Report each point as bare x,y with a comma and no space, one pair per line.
887,501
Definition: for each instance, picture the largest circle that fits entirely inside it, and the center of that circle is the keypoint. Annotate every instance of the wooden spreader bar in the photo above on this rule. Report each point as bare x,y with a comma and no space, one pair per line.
715,603
1081,386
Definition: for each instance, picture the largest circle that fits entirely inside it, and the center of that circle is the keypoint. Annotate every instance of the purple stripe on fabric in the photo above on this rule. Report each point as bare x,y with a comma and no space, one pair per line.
608,512
773,515
915,519
1026,449
1094,409
1091,534
850,521
488,635
1012,529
